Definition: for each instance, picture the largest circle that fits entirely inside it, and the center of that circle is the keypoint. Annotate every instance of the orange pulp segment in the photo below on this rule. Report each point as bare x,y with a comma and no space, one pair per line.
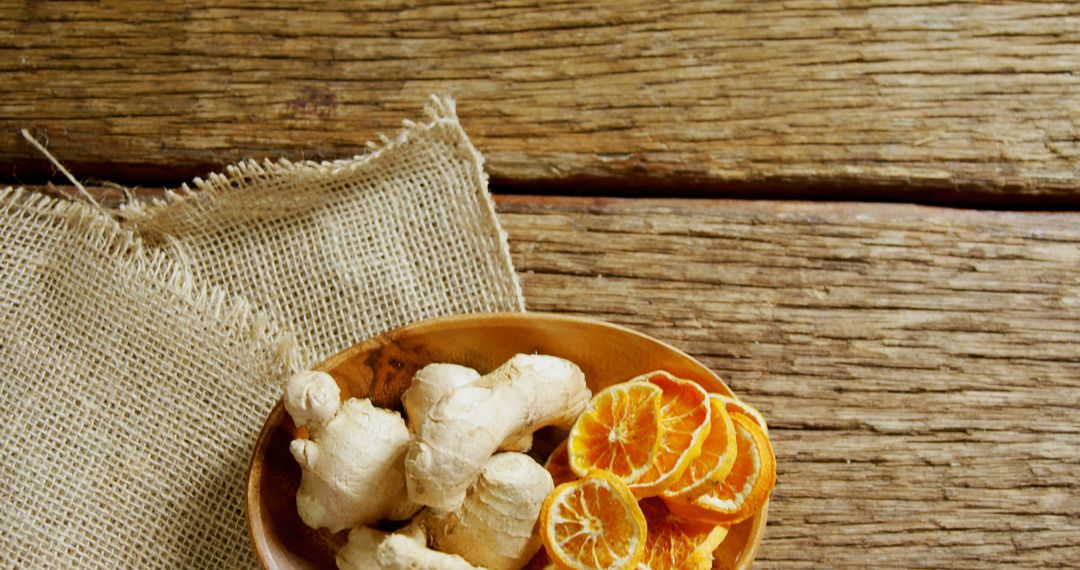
593,523
618,432
746,487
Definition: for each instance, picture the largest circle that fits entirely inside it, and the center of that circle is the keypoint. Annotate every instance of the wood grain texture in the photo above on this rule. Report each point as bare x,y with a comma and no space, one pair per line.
891,97
918,366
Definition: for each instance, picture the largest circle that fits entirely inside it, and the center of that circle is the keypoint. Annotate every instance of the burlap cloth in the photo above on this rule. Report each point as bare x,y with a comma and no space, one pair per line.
140,350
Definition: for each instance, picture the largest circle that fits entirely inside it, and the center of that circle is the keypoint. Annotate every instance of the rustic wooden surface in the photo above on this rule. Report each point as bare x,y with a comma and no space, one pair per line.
918,366
867,98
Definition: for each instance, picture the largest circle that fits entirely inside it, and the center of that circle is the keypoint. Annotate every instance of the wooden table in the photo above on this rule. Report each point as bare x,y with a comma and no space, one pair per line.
919,364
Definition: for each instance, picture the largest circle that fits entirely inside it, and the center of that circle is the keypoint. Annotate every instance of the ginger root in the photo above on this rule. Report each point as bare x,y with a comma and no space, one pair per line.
429,385
363,464
353,465
370,549
434,381
496,525
499,410
312,398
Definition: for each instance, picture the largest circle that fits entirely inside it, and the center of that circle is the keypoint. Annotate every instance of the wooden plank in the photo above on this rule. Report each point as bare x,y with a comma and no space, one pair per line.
885,98
918,366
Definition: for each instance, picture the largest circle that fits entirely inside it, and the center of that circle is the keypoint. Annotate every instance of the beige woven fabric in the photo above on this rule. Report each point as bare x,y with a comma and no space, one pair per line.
138,358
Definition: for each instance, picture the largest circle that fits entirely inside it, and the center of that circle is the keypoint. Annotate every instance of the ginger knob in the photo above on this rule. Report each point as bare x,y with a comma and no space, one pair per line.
496,525
312,398
430,384
468,425
353,468
370,549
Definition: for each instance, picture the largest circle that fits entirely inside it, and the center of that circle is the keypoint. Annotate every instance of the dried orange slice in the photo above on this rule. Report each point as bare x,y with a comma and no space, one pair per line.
717,455
619,432
558,465
593,523
745,489
674,542
685,419
737,406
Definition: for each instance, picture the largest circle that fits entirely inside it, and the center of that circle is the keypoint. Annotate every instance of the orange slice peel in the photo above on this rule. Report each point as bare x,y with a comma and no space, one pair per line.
737,406
717,456
746,488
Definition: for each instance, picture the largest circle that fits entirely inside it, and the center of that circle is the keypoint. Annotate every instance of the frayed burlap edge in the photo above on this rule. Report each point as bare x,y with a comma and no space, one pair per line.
439,111
123,220
234,312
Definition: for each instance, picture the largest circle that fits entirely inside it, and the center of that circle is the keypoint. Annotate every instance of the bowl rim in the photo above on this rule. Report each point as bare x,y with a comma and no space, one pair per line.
757,531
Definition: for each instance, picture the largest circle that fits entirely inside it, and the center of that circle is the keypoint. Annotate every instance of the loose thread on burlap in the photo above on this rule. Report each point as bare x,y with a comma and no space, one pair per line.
41,148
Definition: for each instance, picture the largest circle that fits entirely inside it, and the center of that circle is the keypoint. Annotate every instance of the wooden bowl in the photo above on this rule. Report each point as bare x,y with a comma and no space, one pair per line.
382,367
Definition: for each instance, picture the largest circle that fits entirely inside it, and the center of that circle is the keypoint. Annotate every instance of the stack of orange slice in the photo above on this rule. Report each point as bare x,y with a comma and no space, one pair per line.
653,474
